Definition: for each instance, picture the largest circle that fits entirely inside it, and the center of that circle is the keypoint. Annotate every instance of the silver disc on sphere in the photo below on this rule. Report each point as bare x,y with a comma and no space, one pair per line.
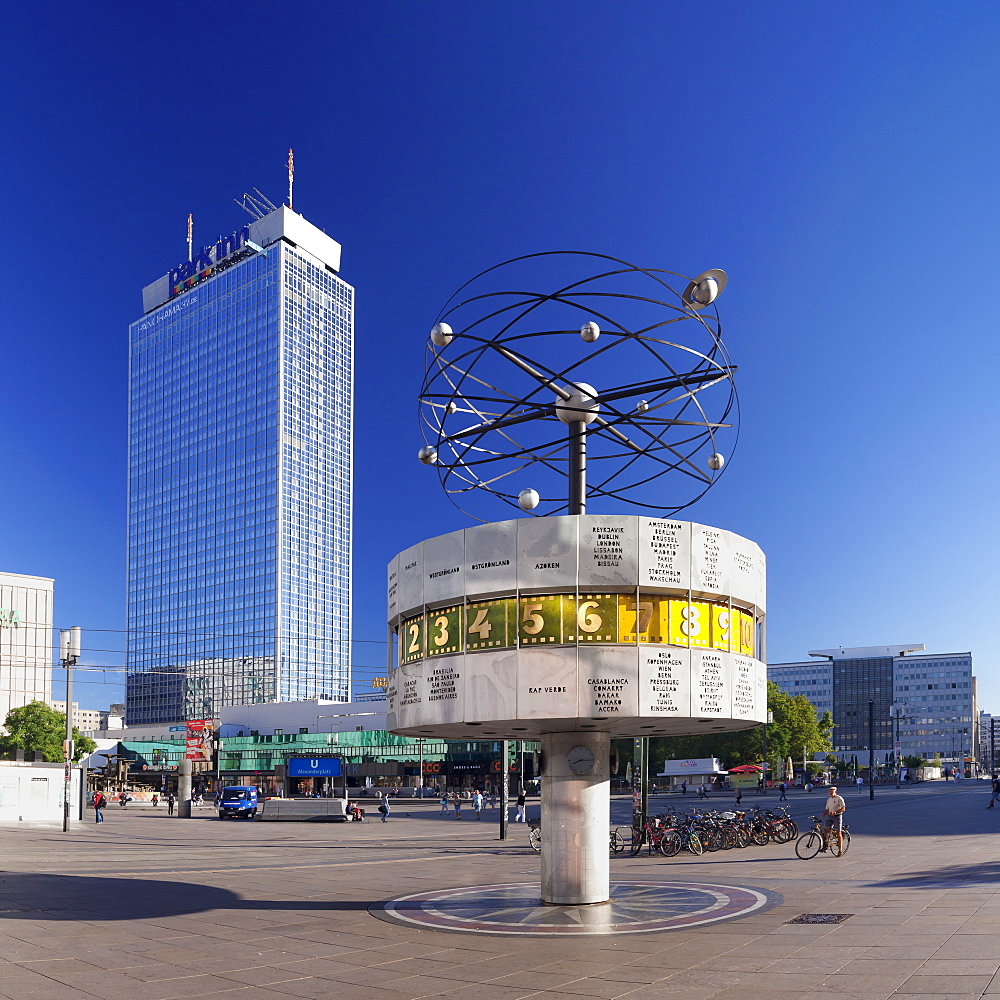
442,335
528,499
705,289
588,374
428,454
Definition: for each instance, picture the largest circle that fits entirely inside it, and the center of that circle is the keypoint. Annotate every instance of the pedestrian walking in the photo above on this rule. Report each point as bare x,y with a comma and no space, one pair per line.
477,803
493,799
456,802
444,803
384,808
684,788
860,782
702,791
170,803
99,803
783,787
739,795
519,818
994,791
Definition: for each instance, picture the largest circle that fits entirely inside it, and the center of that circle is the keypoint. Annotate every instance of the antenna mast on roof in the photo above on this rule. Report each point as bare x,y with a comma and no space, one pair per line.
291,175
256,204
190,236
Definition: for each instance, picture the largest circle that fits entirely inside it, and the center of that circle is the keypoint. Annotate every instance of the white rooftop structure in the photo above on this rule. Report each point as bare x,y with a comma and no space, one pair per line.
867,652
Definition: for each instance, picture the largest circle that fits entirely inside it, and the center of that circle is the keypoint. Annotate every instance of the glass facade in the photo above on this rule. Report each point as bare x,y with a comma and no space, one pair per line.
939,714
934,695
856,682
239,517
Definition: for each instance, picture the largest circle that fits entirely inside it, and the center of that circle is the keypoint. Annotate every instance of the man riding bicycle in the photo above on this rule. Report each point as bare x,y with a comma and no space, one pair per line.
833,818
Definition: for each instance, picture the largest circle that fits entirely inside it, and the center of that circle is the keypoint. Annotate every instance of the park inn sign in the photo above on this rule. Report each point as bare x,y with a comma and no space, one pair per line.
10,618
190,272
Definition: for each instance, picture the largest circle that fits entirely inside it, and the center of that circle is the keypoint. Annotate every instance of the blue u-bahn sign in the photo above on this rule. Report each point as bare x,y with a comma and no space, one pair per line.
314,767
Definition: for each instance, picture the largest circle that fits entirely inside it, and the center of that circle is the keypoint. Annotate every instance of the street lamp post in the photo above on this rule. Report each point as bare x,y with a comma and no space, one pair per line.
871,749
897,711
69,650
770,719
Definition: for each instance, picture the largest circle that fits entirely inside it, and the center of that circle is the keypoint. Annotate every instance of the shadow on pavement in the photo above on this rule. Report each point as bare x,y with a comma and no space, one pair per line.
950,876
75,897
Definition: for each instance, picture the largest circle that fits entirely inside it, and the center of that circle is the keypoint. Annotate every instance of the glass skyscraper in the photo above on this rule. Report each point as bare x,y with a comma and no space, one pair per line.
240,464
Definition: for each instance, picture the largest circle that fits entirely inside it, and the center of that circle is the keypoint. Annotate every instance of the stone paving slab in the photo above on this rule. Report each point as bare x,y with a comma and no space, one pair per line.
147,907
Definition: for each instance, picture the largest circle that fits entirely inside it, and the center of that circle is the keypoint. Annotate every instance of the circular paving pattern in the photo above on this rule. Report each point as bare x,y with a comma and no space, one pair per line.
637,906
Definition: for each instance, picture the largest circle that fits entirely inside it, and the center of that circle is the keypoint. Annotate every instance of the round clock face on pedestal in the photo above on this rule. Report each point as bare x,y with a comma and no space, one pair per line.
581,760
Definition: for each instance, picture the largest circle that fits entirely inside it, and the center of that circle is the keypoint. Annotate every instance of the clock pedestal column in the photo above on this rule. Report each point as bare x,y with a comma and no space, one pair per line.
575,818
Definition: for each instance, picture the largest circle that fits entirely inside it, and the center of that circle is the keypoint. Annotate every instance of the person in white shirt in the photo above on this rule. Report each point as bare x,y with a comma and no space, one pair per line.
833,818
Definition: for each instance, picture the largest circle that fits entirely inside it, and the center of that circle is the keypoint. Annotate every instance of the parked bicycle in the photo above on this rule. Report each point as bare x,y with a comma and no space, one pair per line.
820,838
776,826
648,835
669,834
616,842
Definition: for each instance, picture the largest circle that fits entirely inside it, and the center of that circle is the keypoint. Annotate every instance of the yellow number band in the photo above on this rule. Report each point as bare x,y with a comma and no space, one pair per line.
585,619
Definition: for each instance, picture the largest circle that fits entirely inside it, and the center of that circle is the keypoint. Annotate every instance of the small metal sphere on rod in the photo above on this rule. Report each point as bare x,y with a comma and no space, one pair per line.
528,499
442,335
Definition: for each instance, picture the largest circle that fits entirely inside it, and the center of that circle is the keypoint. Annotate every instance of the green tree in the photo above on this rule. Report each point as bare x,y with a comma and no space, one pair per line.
914,760
36,727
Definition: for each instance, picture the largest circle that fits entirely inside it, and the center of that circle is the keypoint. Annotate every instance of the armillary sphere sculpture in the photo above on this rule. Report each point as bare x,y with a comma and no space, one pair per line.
623,367
553,379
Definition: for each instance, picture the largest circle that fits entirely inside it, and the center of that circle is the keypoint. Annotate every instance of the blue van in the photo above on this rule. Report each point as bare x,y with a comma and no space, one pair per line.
238,800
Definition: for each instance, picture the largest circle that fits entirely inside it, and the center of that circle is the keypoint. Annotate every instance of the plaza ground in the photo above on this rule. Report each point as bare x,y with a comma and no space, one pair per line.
147,907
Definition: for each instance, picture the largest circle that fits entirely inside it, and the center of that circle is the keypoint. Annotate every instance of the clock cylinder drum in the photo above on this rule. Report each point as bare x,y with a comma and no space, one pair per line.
632,626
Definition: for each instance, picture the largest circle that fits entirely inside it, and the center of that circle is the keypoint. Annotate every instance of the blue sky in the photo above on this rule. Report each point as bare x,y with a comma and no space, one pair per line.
838,161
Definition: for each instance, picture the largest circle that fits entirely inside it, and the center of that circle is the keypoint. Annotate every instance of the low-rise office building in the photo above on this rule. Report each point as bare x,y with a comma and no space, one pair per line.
85,719
924,702
25,640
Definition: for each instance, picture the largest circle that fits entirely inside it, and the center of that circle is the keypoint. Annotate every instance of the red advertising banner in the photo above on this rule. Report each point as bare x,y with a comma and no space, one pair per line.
198,741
